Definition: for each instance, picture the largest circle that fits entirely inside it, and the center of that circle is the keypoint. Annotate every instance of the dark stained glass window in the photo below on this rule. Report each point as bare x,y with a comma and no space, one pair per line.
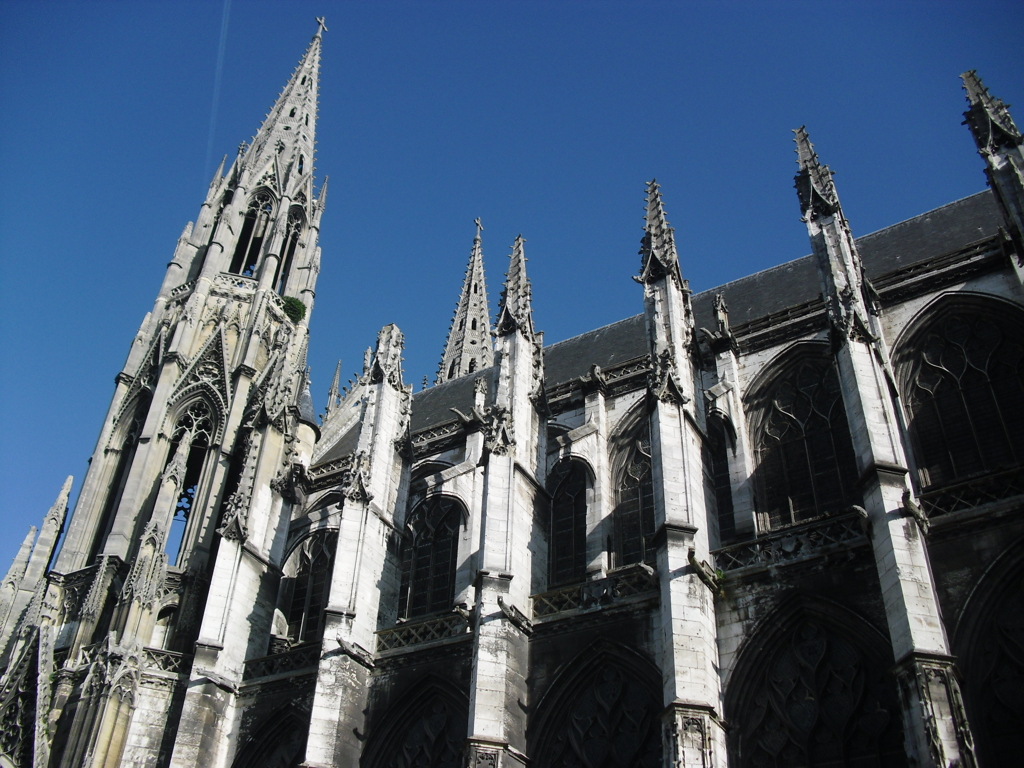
568,543
716,476
311,586
962,377
430,556
634,512
805,459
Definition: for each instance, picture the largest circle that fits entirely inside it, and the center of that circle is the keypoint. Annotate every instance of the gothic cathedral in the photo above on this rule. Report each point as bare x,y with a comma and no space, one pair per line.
787,534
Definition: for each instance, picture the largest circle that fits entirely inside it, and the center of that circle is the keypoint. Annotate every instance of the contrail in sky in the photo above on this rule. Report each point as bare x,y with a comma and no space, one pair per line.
216,85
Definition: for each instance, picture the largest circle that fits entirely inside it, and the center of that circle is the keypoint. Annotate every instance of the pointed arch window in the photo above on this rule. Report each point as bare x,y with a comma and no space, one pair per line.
313,562
296,219
715,454
430,556
634,510
193,431
962,378
567,548
804,454
254,229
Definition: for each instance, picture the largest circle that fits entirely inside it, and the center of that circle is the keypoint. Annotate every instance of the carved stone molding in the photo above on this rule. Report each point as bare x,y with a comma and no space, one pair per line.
933,711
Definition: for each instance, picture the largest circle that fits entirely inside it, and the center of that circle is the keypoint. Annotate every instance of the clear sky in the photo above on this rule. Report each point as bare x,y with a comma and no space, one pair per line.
544,118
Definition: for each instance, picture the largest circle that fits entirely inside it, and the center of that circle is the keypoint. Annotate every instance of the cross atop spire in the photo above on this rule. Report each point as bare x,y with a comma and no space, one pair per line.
515,311
814,185
468,347
322,26
658,255
988,117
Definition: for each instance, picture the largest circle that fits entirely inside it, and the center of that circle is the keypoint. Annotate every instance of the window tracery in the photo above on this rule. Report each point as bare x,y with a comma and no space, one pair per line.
804,453
194,429
296,218
962,378
311,585
430,557
634,513
819,700
567,553
254,229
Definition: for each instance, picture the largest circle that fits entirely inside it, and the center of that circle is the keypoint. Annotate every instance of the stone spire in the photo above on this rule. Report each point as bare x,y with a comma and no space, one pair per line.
515,311
814,185
658,256
334,393
1001,146
289,129
468,347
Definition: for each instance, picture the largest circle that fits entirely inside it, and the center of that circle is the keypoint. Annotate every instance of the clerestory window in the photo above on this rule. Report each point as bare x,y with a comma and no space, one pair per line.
804,454
430,556
567,548
634,511
310,587
962,378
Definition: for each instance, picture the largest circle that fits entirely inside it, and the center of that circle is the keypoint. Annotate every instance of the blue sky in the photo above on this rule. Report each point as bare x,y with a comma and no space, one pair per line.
544,118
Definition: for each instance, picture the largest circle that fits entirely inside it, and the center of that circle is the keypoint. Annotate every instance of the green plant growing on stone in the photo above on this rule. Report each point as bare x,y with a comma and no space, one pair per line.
294,308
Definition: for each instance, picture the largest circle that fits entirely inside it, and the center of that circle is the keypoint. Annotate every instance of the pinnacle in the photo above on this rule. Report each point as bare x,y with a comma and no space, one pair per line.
806,157
515,310
814,185
468,346
658,246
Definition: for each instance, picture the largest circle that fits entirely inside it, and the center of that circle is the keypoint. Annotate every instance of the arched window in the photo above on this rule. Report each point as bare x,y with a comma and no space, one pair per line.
254,229
296,218
813,690
429,557
292,113
962,379
634,512
567,547
310,586
194,429
716,477
805,460
472,364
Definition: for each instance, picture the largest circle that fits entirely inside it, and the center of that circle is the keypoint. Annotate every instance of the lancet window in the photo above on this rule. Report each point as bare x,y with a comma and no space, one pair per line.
291,241
634,511
805,460
310,586
191,440
962,377
716,476
254,229
430,556
567,548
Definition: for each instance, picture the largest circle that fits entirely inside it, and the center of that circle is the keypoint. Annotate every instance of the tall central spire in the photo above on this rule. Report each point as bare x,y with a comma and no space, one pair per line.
289,129
469,339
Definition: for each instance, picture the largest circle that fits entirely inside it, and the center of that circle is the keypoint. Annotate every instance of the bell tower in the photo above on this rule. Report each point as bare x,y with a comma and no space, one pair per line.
210,421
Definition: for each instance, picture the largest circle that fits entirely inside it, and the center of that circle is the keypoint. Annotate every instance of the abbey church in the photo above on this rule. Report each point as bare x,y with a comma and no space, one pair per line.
777,524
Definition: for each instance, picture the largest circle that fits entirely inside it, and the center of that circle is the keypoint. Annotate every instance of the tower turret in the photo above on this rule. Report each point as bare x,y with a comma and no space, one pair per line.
468,347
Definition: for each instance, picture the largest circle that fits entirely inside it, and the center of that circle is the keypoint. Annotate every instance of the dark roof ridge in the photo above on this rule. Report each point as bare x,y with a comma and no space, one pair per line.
593,330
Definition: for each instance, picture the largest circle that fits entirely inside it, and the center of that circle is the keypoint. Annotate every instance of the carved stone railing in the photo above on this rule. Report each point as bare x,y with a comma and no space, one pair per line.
301,657
159,660
436,437
632,580
791,544
182,290
412,633
231,282
973,493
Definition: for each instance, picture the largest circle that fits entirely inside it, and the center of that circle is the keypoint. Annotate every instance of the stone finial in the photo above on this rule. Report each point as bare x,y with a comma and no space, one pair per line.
515,310
988,117
334,393
814,185
658,255
387,361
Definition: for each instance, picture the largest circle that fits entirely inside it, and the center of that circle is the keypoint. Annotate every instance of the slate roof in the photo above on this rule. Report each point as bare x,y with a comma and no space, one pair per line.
943,230
346,445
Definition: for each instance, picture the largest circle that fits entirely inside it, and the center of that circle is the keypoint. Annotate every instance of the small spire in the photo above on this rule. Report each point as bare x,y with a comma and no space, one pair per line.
468,347
386,365
334,393
515,311
814,185
988,117
304,404
658,255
